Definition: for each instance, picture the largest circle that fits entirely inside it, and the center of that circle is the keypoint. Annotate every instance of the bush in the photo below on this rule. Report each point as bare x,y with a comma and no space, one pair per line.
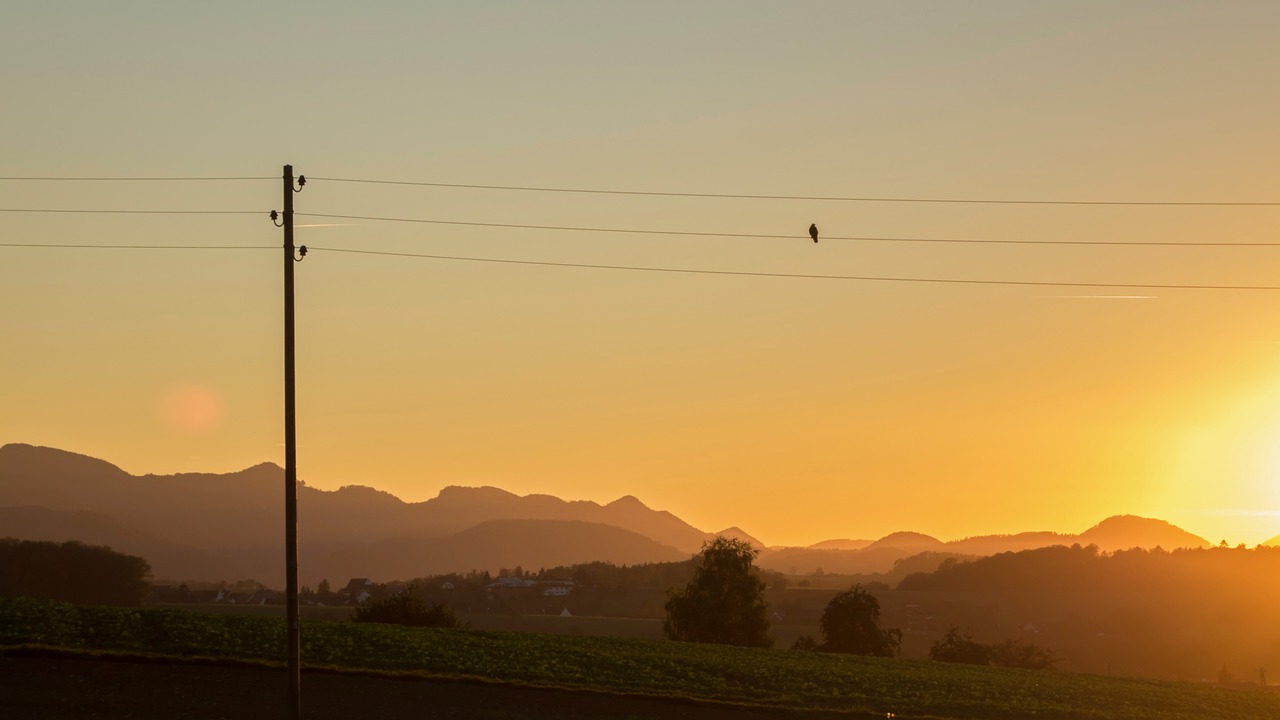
963,649
960,649
1012,653
806,643
408,609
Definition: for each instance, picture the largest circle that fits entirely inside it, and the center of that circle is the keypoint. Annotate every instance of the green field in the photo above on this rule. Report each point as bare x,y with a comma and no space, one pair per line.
778,678
637,628
308,612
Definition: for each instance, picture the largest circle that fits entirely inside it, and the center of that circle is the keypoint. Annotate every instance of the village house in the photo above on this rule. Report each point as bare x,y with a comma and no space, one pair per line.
357,591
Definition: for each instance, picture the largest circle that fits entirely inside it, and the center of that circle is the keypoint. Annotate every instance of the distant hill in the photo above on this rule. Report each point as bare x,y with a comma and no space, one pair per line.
992,544
841,544
875,557
912,541
458,508
738,533
1116,533
1123,532
495,544
165,558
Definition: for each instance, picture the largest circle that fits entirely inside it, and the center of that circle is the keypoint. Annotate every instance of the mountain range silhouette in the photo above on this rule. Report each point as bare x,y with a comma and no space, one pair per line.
199,526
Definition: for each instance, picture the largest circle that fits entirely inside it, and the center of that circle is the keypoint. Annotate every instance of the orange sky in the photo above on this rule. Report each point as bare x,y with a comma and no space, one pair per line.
798,409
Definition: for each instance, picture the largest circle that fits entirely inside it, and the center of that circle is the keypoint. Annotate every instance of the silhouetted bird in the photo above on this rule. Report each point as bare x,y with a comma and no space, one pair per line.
813,232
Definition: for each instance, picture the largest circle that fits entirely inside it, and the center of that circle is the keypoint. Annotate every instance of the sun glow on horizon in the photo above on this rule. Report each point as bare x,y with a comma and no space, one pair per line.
1223,469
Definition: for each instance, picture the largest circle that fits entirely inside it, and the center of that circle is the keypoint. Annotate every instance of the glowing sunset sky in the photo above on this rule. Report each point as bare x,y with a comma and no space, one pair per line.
799,409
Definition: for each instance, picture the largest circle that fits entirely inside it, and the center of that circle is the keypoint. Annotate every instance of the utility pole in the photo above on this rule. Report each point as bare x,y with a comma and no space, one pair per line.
293,665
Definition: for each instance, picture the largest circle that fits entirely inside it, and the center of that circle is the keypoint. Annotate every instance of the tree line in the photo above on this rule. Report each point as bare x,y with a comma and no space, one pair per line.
72,572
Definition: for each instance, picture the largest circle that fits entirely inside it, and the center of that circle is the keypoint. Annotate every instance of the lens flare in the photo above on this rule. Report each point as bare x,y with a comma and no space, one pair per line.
192,408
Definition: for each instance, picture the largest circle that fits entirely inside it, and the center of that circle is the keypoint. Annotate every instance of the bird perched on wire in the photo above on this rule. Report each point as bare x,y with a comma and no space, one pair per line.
813,231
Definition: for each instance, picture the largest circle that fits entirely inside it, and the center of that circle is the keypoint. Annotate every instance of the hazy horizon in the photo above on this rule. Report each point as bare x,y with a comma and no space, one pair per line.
800,409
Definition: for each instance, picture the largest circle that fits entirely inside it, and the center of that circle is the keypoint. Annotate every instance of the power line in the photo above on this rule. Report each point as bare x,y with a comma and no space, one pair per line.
641,231
818,198
132,179
137,247
639,268
594,191
870,278
789,237
133,212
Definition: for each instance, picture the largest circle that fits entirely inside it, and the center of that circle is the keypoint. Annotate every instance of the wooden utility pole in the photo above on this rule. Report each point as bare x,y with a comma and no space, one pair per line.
290,465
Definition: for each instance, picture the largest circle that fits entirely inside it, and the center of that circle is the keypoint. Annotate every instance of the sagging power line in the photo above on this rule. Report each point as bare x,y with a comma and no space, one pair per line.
802,276
94,211
657,269
86,246
662,193
132,179
815,198
864,238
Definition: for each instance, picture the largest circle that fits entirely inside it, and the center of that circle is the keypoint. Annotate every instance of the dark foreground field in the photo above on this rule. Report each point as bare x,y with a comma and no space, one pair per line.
74,688
189,665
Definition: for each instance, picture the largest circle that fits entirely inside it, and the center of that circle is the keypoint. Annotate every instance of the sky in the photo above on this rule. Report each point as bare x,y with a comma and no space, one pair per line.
799,409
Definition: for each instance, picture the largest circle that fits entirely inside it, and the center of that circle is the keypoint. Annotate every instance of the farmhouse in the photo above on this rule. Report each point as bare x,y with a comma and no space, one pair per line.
357,590
557,589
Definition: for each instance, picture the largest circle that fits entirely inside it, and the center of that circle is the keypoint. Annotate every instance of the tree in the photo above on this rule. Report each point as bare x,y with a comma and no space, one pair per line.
851,624
724,602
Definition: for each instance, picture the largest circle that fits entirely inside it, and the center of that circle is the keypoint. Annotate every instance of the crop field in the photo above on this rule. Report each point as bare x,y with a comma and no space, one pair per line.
640,628
771,678
308,612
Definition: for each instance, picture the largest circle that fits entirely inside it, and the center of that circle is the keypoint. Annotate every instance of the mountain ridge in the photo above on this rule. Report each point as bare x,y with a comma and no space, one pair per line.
198,523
